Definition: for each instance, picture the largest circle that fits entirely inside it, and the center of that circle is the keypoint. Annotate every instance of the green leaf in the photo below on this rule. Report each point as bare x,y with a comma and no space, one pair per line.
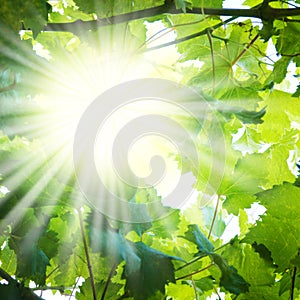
48,243
109,242
297,92
154,270
230,279
182,4
250,117
32,264
252,3
286,43
36,15
250,141
195,235
86,290
278,229
254,269
167,226
207,3
8,259
280,69
180,291
243,222
107,8
285,283
267,30
248,178
240,200
276,121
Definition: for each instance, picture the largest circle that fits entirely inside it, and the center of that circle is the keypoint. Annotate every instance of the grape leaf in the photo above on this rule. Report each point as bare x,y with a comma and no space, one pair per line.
286,44
180,292
297,92
195,235
230,279
278,230
86,290
254,269
248,177
207,3
36,15
182,4
151,274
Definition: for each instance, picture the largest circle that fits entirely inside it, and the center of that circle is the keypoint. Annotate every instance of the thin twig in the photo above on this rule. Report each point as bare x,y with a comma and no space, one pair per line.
216,291
293,283
289,3
290,55
108,280
214,218
222,246
188,263
212,62
74,287
195,289
245,50
189,37
87,255
55,269
53,288
167,30
194,273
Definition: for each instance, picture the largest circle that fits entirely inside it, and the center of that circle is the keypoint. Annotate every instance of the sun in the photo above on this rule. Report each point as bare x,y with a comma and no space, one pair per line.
72,73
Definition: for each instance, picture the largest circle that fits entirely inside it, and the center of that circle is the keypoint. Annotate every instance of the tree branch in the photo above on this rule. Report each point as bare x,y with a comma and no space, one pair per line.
263,12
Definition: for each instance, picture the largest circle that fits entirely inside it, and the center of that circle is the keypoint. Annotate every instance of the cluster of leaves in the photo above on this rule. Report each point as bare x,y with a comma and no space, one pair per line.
44,237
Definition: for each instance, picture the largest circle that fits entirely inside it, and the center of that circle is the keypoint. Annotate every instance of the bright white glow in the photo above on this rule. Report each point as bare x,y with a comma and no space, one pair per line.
141,150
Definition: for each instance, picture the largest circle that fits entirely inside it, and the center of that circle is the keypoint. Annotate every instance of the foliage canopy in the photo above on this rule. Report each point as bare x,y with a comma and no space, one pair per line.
247,69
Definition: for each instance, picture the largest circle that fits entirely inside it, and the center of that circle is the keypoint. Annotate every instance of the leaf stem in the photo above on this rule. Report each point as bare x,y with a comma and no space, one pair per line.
55,269
214,217
194,273
87,254
108,280
293,283
74,287
212,61
245,50
188,263
195,289
53,288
